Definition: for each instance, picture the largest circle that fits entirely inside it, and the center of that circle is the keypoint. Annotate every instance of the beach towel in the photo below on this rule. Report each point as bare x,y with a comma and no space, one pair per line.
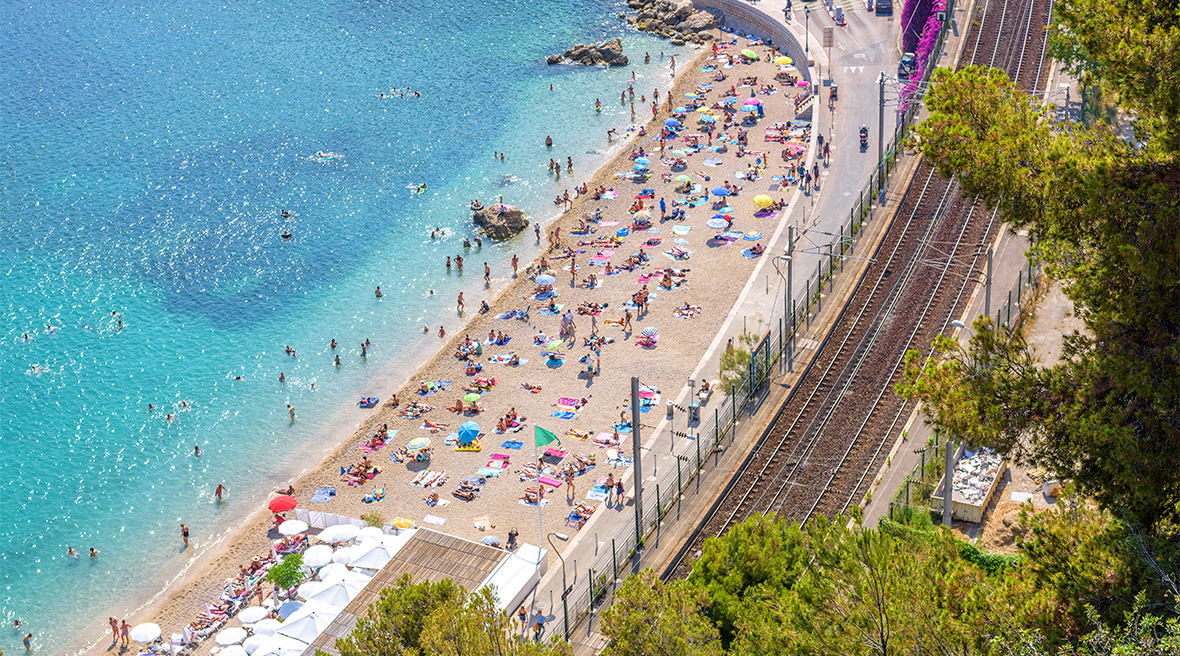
749,254
512,445
712,161
551,482
565,400
611,194
556,453
480,522
434,519
578,434
619,460
323,494
597,493
544,310
681,230
489,471
564,415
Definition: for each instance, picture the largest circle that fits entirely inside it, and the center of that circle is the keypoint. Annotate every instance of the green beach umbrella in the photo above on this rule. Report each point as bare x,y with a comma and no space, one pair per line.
471,398
750,54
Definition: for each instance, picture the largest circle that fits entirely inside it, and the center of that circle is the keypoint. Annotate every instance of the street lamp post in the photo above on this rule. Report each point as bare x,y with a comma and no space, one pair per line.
806,28
565,615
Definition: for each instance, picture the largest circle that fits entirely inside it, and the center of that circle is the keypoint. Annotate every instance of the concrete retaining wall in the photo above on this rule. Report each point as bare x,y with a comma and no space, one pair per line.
746,19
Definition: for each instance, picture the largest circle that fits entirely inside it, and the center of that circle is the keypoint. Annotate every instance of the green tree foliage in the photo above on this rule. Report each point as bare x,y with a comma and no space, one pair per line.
651,618
757,558
437,619
288,573
1105,218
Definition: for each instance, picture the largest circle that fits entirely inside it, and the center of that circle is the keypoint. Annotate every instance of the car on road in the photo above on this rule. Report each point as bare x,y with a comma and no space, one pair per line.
883,7
908,66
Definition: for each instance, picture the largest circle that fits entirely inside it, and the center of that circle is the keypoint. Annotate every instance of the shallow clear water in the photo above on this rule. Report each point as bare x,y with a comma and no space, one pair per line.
150,149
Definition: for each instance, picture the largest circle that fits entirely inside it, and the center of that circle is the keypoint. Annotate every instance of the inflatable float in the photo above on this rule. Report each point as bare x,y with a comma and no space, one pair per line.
368,401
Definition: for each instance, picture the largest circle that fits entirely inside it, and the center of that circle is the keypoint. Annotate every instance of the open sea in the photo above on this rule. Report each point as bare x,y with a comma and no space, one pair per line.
151,147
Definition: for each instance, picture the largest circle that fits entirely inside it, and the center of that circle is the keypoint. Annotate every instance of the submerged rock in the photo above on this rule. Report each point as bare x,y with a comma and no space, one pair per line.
500,221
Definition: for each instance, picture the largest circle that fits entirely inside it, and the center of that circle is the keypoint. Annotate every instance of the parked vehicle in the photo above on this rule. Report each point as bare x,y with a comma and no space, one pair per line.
883,7
908,66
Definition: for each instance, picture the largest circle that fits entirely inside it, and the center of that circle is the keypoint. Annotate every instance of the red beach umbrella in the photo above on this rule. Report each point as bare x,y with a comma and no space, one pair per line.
282,504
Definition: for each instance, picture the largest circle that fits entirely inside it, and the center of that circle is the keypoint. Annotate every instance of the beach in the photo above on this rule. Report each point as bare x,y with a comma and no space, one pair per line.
711,275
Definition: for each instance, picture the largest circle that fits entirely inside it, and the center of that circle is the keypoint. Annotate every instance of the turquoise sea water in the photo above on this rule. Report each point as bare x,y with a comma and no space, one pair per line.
150,147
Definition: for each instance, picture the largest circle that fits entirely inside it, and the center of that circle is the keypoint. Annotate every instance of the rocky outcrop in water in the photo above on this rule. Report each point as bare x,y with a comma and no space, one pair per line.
500,221
678,21
607,52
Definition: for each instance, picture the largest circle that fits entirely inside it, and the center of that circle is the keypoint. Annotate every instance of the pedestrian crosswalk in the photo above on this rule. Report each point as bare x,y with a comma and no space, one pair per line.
846,5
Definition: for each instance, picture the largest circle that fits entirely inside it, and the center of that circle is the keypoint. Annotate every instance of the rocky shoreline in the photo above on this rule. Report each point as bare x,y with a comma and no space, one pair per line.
680,22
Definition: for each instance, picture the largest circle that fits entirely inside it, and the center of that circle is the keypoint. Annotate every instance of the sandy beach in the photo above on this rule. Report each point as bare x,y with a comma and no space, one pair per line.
708,278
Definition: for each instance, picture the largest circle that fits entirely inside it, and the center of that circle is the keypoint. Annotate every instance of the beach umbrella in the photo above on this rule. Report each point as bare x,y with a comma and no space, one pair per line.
650,331
720,191
468,432
801,83
231,636
258,641
642,215
402,522
691,95
749,54
235,650
331,571
751,101
307,623
683,178
374,558
343,556
680,110
671,122
679,152
336,594
749,108
252,614
783,61
338,533
371,533
282,504
762,200
752,235
717,224
545,279
471,397
293,527
639,167
317,556
418,444
280,645
145,633
708,118
642,160
265,627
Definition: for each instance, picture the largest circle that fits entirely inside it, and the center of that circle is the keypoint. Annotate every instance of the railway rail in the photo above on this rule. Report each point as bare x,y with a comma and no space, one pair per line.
843,413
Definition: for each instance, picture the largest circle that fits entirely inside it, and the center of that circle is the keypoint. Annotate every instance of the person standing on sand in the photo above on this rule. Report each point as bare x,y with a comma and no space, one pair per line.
183,534
219,491
627,321
569,483
114,622
124,632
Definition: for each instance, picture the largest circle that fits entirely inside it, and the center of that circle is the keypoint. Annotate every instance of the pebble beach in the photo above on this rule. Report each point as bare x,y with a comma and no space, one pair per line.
579,392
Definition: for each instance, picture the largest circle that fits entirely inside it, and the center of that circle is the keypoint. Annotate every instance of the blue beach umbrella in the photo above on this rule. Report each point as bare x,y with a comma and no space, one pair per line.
545,279
671,122
642,160
706,118
680,110
468,432
639,167
720,191
691,95
749,108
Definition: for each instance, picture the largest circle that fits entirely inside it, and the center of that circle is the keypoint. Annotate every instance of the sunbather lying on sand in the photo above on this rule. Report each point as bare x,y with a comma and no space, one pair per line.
535,389
433,426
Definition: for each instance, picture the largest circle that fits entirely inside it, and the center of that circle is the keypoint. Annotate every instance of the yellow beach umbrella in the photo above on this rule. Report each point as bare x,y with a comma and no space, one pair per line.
402,522
762,200
705,110
683,178
783,61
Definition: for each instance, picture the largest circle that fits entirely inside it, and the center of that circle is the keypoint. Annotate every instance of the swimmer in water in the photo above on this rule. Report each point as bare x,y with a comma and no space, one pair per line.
332,344
337,360
379,294
238,378
286,235
71,553
197,450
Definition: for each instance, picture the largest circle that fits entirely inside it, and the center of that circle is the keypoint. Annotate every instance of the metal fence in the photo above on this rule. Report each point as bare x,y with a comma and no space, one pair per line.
914,492
717,426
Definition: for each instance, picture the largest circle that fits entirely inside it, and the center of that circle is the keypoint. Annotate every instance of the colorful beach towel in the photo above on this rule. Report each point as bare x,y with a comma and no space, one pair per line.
597,493
512,445
681,230
434,519
564,415
551,482
749,254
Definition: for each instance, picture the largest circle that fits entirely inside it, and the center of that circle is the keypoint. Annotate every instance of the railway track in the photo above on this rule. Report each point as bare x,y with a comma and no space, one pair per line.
837,424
